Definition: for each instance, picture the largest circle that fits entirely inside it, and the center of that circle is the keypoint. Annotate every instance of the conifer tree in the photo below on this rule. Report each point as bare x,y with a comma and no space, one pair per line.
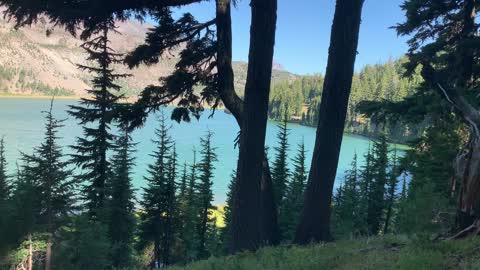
156,215
293,203
376,195
121,220
4,194
96,115
226,231
364,185
348,219
183,182
48,168
280,171
205,192
191,215
391,196
4,185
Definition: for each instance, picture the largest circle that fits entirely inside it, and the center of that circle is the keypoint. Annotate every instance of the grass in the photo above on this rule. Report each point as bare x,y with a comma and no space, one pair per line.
377,253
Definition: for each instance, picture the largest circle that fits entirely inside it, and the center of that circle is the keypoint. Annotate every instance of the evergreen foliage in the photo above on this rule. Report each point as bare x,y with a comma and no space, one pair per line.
205,193
156,219
121,220
96,115
280,170
376,192
293,202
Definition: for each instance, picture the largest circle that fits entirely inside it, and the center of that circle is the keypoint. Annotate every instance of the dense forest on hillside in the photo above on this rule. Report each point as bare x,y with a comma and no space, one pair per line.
412,209
299,100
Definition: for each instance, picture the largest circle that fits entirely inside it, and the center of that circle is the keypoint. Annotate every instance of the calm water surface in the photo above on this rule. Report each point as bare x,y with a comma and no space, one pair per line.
21,122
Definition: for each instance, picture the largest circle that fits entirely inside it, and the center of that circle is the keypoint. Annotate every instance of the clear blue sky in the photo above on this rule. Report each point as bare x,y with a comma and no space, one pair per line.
303,32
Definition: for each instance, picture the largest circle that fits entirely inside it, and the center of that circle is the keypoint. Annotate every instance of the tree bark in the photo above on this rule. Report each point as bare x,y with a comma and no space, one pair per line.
247,222
315,218
30,253
268,212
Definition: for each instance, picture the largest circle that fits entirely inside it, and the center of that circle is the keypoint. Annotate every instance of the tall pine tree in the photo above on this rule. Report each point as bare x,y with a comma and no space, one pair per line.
293,202
52,179
280,171
156,212
391,195
121,220
376,193
205,192
96,115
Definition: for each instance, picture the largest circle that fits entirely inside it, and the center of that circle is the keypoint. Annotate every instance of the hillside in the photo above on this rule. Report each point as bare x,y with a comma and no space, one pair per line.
32,63
373,253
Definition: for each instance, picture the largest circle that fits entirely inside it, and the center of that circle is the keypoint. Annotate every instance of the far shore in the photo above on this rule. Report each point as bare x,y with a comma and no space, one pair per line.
39,97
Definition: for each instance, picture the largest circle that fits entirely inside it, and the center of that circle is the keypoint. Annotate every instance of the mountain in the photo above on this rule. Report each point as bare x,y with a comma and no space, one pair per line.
32,63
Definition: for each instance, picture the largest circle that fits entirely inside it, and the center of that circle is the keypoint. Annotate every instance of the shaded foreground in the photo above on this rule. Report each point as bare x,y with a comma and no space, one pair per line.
374,253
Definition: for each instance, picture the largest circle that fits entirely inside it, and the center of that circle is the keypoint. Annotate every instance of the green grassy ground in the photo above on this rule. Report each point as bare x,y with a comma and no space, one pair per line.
378,253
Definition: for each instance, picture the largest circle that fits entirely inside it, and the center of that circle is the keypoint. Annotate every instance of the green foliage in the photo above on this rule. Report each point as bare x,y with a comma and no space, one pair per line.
90,151
226,231
280,170
374,253
206,227
378,83
120,206
428,206
293,203
376,189
85,246
347,214
158,202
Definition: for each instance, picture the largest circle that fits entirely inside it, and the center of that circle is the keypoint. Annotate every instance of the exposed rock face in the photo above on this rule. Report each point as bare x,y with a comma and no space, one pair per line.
32,63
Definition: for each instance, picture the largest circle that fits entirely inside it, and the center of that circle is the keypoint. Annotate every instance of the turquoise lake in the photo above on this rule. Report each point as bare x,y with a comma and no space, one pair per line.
21,122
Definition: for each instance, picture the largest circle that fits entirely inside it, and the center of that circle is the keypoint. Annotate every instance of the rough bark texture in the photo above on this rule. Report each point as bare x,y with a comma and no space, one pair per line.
270,231
248,223
314,224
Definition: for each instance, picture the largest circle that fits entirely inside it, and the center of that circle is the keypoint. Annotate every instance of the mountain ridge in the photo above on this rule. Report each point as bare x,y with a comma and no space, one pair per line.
33,64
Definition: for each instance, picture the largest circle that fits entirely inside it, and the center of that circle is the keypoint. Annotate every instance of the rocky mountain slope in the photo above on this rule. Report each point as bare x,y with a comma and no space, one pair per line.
32,63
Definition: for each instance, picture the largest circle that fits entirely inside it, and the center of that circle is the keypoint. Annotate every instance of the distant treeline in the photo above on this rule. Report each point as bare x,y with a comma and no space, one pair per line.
300,99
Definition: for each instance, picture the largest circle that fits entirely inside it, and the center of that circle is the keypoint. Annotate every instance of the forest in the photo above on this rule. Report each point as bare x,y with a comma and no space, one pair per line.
399,209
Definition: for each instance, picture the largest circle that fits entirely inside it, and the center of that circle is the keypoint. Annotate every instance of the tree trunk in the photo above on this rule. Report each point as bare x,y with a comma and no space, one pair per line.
30,253
247,221
315,218
268,212
48,255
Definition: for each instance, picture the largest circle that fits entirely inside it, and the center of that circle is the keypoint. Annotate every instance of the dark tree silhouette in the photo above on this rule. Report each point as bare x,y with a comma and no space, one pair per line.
315,219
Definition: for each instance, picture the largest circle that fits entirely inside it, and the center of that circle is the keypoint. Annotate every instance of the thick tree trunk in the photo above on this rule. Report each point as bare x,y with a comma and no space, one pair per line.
247,222
235,104
315,218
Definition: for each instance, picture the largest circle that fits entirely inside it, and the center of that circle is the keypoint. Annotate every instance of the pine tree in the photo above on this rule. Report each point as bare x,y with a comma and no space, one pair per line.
48,168
191,214
376,196
121,220
4,185
364,184
205,192
157,196
391,196
4,194
348,218
226,231
280,171
96,115
293,203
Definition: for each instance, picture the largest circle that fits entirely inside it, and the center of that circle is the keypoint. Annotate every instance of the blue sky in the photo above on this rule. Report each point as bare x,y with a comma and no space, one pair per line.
303,32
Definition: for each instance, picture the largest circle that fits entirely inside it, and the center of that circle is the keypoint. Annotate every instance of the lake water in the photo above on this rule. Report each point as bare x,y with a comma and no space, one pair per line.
21,122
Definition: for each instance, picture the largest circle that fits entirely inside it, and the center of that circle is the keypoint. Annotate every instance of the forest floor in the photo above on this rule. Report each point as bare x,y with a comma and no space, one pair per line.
374,253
